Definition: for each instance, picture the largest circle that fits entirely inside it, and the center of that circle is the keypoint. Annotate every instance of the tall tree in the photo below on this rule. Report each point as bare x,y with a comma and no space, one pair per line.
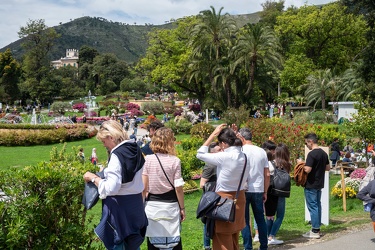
10,72
318,86
38,41
271,10
366,8
212,37
257,44
213,32
327,35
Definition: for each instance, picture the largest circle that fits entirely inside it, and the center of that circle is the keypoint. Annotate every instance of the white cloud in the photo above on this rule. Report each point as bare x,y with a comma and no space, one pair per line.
16,13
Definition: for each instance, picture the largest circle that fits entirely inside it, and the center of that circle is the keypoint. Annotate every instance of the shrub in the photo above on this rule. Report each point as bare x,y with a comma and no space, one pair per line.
155,108
178,112
44,209
327,132
189,163
202,130
131,106
136,112
60,107
195,107
182,126
79,106
47,134
148,120
192,143
236,116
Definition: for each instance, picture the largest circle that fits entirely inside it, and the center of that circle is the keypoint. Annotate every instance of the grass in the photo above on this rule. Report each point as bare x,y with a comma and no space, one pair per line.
192,235
25,156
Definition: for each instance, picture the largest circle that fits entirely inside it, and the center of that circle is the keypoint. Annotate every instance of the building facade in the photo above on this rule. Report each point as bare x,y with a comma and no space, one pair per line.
71,59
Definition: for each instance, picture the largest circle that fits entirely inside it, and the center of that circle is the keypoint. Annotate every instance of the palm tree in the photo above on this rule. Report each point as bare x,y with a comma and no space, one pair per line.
210,40
318,86
256,44
212,32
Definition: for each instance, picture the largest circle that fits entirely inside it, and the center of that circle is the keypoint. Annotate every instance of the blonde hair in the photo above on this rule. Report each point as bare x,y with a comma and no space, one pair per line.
163,141
114,129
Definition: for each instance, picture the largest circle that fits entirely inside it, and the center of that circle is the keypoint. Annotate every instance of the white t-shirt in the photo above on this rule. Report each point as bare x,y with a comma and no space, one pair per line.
230,164
258,162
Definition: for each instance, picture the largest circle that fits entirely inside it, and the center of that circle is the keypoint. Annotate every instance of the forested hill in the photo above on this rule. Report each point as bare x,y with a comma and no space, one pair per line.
127,41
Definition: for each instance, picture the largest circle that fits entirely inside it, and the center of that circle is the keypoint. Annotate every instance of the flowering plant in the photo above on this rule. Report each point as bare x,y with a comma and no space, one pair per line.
350,192
358,173
131,106
351,188
79,106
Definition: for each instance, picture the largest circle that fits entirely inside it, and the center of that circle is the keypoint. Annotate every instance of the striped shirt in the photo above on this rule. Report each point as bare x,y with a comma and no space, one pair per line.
157,182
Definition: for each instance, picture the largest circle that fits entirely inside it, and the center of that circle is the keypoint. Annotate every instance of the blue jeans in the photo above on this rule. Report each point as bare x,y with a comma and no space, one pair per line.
314,206
274,226
206,239
256,202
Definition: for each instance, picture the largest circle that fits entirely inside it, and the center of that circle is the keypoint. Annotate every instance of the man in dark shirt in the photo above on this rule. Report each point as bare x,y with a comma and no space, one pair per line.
155,125
315,166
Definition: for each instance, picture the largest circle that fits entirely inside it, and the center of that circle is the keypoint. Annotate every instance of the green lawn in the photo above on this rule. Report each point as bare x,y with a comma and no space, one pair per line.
292,227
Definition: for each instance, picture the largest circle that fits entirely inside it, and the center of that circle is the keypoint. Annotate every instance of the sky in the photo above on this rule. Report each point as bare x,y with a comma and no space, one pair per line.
16,13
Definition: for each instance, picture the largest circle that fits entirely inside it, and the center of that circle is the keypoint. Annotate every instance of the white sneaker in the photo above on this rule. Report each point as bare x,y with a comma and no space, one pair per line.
311,235
256,238
275,241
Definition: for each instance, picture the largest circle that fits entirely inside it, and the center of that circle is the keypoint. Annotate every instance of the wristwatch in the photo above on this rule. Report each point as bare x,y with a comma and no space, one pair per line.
93,180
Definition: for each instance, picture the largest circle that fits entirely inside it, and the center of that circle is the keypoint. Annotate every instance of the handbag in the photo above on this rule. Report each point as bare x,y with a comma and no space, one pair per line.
91,195
225,208
280,183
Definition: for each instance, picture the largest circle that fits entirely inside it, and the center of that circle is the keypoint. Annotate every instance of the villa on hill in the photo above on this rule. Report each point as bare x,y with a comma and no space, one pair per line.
71,59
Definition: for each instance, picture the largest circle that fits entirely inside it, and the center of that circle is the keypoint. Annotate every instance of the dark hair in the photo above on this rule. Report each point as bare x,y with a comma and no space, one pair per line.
312,137
270,145
348,155
246,134
228,136
269,154
282,157
155,125
212,145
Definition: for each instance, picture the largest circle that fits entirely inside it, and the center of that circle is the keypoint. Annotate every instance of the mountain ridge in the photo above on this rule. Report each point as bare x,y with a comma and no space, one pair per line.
128,42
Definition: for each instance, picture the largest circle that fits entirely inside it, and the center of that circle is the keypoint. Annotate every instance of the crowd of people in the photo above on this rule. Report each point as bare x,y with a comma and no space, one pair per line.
148,179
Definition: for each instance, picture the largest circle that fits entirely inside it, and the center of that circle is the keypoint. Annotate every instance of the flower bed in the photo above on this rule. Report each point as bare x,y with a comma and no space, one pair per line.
43,136
351,188
94,120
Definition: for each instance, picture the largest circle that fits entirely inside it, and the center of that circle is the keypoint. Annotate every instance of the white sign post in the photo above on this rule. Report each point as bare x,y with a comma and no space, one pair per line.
325,194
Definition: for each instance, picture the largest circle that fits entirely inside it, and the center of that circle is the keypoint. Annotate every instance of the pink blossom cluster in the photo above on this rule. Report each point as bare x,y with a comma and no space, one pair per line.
358,173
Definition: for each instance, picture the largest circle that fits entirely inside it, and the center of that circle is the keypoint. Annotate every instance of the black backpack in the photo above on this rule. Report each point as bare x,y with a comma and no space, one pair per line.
280,183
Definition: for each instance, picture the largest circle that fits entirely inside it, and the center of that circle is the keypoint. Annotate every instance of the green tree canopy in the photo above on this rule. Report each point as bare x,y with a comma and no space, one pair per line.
38,41
10,71
327,35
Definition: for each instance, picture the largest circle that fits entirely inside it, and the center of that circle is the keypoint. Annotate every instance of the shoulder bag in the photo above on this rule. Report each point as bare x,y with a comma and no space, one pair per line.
222,209
280,183
168,179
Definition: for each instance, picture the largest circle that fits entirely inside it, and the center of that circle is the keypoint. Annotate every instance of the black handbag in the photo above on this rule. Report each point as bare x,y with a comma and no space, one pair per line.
91,195
225,208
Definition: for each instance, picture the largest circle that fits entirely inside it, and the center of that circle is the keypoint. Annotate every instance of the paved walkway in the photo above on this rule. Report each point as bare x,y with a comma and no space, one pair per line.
363,239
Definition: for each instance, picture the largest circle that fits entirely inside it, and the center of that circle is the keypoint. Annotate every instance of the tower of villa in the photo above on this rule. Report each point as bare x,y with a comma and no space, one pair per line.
71,58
